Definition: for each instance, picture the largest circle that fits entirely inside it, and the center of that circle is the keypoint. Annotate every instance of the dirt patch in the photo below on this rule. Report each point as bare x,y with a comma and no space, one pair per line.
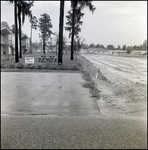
88,73
89,83
118,96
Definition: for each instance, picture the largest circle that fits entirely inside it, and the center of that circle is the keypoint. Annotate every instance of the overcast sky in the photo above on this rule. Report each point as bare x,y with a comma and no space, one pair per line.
113,22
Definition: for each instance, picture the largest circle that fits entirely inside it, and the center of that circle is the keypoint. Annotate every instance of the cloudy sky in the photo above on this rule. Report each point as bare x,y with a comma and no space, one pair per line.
113,22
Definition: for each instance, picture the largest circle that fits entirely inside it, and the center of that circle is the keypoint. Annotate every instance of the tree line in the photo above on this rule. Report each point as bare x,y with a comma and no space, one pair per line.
143,46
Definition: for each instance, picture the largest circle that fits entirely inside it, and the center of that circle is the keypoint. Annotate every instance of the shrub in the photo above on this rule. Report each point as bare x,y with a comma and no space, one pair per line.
20,66
128,51
39,66
31,66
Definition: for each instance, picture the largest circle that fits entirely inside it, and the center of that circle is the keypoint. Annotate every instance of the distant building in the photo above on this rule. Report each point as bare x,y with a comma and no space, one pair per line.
118,51
139,52
8,41
25,43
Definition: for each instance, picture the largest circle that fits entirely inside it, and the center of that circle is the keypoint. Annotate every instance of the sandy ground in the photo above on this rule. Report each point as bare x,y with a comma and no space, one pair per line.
122,84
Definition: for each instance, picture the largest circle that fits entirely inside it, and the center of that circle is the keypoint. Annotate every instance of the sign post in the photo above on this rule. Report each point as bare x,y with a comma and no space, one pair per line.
95,82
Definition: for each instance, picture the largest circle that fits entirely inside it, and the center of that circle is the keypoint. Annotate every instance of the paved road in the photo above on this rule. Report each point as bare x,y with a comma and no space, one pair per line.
46,93
53,110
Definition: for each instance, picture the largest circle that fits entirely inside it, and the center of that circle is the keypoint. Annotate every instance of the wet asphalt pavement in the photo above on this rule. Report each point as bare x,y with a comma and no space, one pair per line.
54,111
47,94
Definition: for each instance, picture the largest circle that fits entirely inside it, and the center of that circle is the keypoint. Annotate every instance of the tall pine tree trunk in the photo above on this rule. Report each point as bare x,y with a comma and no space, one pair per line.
44,45
31,40
61,20
56,48
72,36
20,34
44,40
16,33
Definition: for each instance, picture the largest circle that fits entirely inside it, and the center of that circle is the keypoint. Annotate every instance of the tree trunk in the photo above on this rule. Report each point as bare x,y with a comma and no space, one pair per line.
72,36
20,34
56,48
61,20
31,40
16,33
44,46
44,40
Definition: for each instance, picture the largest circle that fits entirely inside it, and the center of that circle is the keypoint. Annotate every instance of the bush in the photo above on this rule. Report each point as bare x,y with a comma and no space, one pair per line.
39,66
128,51
20,66
31,66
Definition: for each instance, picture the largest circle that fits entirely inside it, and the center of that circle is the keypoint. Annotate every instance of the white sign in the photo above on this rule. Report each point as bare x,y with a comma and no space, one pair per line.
29,60
96,75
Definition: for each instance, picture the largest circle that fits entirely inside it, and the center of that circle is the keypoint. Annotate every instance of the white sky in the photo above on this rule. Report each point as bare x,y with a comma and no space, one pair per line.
113,22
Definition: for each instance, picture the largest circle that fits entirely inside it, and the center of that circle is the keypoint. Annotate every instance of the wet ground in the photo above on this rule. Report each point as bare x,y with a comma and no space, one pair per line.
46,93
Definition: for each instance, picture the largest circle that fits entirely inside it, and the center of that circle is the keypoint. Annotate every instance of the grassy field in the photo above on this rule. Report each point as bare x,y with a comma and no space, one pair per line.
67,63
